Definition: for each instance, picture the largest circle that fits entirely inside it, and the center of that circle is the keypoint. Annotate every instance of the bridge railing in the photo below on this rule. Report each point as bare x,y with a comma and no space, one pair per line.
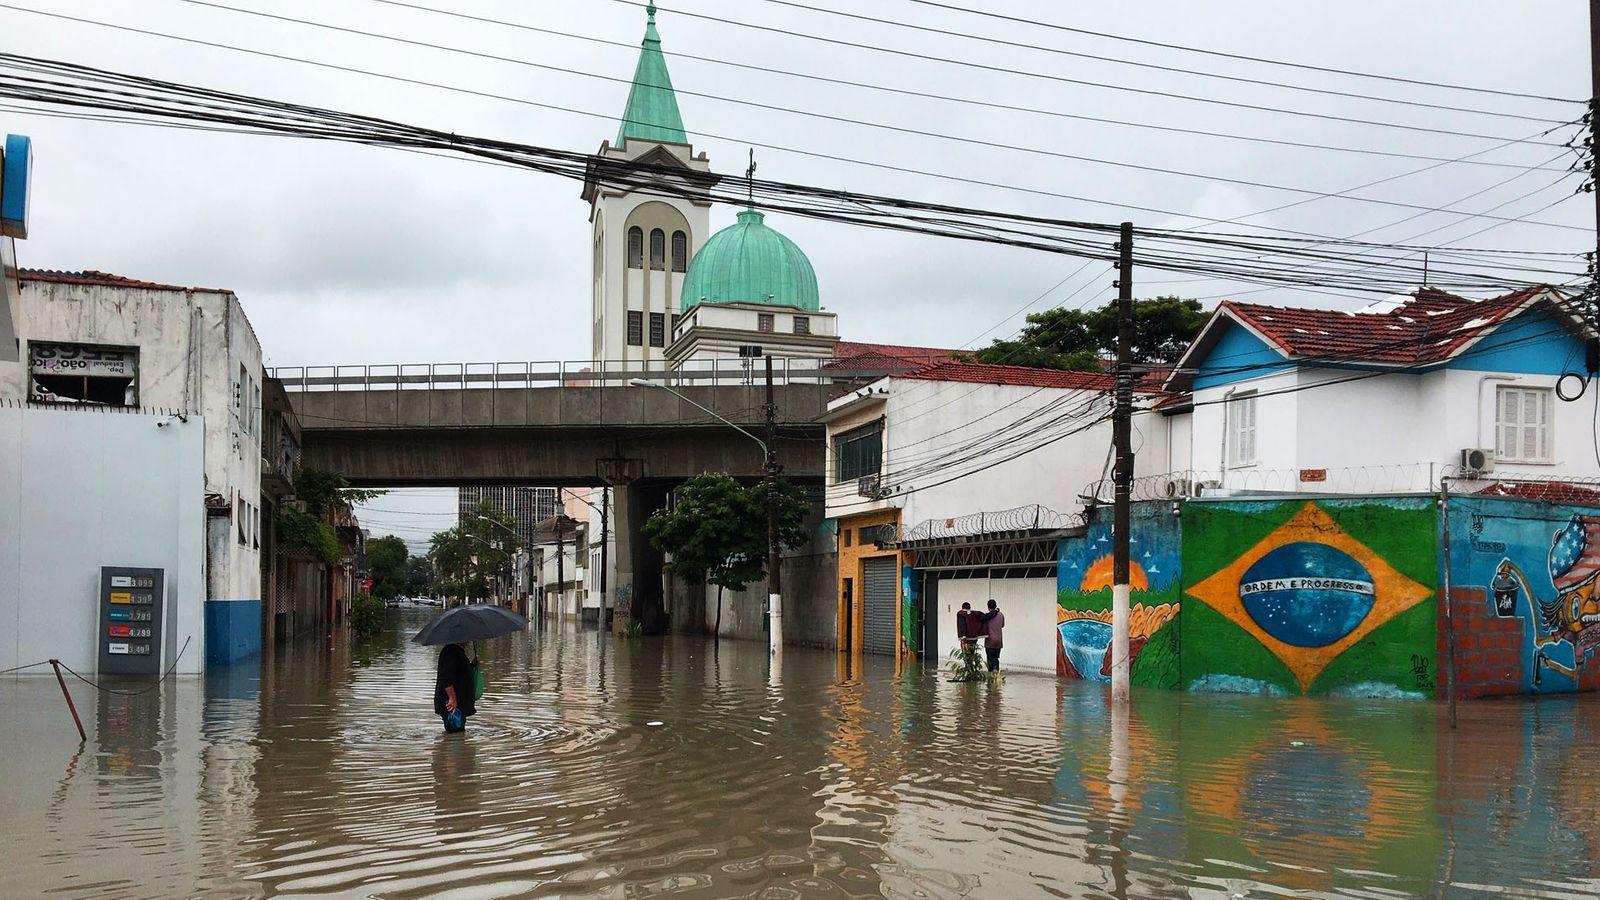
559,373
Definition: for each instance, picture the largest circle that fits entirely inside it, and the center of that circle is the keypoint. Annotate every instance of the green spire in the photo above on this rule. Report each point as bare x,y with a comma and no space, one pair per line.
652,112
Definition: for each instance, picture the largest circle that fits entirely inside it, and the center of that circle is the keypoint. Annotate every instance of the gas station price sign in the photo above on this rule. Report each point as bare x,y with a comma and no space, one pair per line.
129,625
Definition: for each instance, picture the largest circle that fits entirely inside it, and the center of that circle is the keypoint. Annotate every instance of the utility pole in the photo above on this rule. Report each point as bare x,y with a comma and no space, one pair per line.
561,556
1594,147
1122,441
774,556
605,556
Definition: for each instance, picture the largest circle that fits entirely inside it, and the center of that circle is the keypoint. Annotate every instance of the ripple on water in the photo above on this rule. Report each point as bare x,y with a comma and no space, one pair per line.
625,768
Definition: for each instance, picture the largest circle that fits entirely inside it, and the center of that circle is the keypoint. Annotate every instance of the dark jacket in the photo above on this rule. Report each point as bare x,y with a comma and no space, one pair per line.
964,624
991,624
455,670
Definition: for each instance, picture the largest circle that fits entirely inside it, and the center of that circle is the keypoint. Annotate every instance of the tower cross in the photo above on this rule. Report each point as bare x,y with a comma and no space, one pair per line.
750,179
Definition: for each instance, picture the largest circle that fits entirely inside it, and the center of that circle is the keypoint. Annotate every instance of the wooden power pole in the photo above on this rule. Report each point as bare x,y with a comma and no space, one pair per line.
1122,442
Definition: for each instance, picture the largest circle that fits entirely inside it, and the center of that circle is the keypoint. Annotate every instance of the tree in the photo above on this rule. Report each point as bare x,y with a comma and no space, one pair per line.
318,494
715,530
1081,340
466,558
419,576
388,562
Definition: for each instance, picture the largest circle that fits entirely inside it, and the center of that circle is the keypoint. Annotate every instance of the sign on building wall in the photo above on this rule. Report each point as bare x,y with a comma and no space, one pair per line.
130,620
83,373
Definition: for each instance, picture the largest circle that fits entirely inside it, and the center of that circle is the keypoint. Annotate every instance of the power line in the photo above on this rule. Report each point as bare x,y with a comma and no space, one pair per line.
927,95
847,120
1078,81
109,90
1245,57
1019,45
590,114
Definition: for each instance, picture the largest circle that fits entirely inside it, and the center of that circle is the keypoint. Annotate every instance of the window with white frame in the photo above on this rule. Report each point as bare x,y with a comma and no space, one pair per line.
1522,424
1242,430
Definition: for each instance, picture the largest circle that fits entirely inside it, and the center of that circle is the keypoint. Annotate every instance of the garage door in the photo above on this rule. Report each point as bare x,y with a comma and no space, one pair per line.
882,583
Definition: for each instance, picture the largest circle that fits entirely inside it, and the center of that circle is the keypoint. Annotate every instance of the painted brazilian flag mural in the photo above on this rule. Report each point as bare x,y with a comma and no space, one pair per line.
1309,597
1083,594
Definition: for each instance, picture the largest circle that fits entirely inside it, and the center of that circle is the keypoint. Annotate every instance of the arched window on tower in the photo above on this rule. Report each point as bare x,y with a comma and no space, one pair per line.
658,249
635,247
680,252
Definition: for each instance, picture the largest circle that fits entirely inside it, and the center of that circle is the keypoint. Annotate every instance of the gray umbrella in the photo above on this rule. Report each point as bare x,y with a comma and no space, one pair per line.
477,622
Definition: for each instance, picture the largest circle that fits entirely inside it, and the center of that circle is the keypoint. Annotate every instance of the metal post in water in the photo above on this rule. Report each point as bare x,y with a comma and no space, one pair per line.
1449,607
82,736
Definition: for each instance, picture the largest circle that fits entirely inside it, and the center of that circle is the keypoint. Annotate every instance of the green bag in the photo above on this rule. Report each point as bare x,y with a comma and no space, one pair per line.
477,682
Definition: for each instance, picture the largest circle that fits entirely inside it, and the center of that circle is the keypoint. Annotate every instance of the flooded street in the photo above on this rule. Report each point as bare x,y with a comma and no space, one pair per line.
603,767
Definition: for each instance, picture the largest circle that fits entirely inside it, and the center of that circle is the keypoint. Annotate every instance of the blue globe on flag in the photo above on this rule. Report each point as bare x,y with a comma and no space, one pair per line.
1306,594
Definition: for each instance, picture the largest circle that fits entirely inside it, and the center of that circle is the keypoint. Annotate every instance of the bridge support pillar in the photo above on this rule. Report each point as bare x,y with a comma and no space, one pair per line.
639,594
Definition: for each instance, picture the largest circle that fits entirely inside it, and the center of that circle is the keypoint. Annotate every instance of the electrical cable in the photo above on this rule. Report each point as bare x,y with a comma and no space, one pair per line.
1062,79
905,92
901,130
1245,57
1060,51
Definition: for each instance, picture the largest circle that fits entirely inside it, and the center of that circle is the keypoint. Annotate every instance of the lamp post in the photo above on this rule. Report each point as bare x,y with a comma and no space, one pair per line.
770,455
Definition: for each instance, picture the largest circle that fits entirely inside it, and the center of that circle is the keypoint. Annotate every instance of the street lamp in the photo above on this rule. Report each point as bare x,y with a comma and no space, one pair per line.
774,577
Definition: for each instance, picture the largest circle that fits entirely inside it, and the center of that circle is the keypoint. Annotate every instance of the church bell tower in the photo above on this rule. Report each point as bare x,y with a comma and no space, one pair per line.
649,213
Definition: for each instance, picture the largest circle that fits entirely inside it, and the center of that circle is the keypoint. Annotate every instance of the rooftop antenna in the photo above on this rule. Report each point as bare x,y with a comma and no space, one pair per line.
750,179
1424,268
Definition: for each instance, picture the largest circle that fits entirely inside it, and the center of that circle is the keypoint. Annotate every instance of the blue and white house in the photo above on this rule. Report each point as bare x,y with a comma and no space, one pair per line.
1283,399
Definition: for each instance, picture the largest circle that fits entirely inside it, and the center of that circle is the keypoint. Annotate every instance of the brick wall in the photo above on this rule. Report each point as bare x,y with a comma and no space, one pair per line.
1488,655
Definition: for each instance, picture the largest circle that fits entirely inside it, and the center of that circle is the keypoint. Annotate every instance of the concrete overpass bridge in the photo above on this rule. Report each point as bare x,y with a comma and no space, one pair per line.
563,424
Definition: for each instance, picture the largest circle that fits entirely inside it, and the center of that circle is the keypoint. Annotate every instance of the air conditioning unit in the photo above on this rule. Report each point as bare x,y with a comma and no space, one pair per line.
1177,488
1200,487
1477,460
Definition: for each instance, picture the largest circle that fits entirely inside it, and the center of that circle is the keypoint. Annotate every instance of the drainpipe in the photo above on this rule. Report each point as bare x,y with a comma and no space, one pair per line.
1449,606
1477,432
1222,474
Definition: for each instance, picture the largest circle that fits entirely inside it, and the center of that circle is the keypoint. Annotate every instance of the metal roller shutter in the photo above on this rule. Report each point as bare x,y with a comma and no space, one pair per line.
882,576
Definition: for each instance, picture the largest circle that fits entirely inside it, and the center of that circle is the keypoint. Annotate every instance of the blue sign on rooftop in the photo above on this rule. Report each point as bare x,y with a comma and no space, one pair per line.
16,171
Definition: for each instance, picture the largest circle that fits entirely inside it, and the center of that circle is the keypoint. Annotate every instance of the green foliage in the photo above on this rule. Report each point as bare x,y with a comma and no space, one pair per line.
716,529
1078,340
387,559
300,529
633,630
419,576
366,615
465,559
965,665
320,491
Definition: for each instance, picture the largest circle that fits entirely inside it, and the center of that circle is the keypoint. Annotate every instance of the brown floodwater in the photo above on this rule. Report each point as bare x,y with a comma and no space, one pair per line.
614,768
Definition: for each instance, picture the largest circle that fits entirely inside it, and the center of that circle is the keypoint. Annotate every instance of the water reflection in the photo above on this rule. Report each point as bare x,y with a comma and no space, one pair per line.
621,768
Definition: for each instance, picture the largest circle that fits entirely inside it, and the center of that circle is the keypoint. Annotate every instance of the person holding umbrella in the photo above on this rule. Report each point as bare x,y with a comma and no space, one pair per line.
456,688
454,693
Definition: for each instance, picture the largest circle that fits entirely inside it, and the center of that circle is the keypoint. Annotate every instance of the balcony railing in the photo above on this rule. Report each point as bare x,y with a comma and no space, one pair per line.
558,373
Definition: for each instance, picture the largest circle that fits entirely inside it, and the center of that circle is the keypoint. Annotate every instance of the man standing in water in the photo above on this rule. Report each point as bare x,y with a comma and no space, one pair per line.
452,689
990,625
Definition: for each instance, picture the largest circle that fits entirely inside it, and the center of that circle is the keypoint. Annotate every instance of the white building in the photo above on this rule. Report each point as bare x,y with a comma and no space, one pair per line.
1288,399
95,342
958,450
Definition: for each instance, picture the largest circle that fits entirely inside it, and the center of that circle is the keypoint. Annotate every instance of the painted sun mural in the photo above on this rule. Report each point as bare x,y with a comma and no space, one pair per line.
1083,612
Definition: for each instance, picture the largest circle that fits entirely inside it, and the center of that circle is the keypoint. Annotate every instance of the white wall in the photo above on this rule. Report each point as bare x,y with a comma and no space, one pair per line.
192,344
1385,433
938,421
85,489
1030,608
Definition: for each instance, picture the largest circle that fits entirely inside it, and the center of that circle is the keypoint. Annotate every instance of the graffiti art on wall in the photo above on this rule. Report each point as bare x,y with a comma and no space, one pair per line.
1539,569
1083,614
1299,599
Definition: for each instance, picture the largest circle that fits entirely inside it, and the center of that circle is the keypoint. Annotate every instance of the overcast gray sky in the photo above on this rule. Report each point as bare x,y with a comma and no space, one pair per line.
345,254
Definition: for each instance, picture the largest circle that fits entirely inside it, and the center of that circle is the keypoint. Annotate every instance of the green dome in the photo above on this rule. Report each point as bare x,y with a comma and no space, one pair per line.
747,262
